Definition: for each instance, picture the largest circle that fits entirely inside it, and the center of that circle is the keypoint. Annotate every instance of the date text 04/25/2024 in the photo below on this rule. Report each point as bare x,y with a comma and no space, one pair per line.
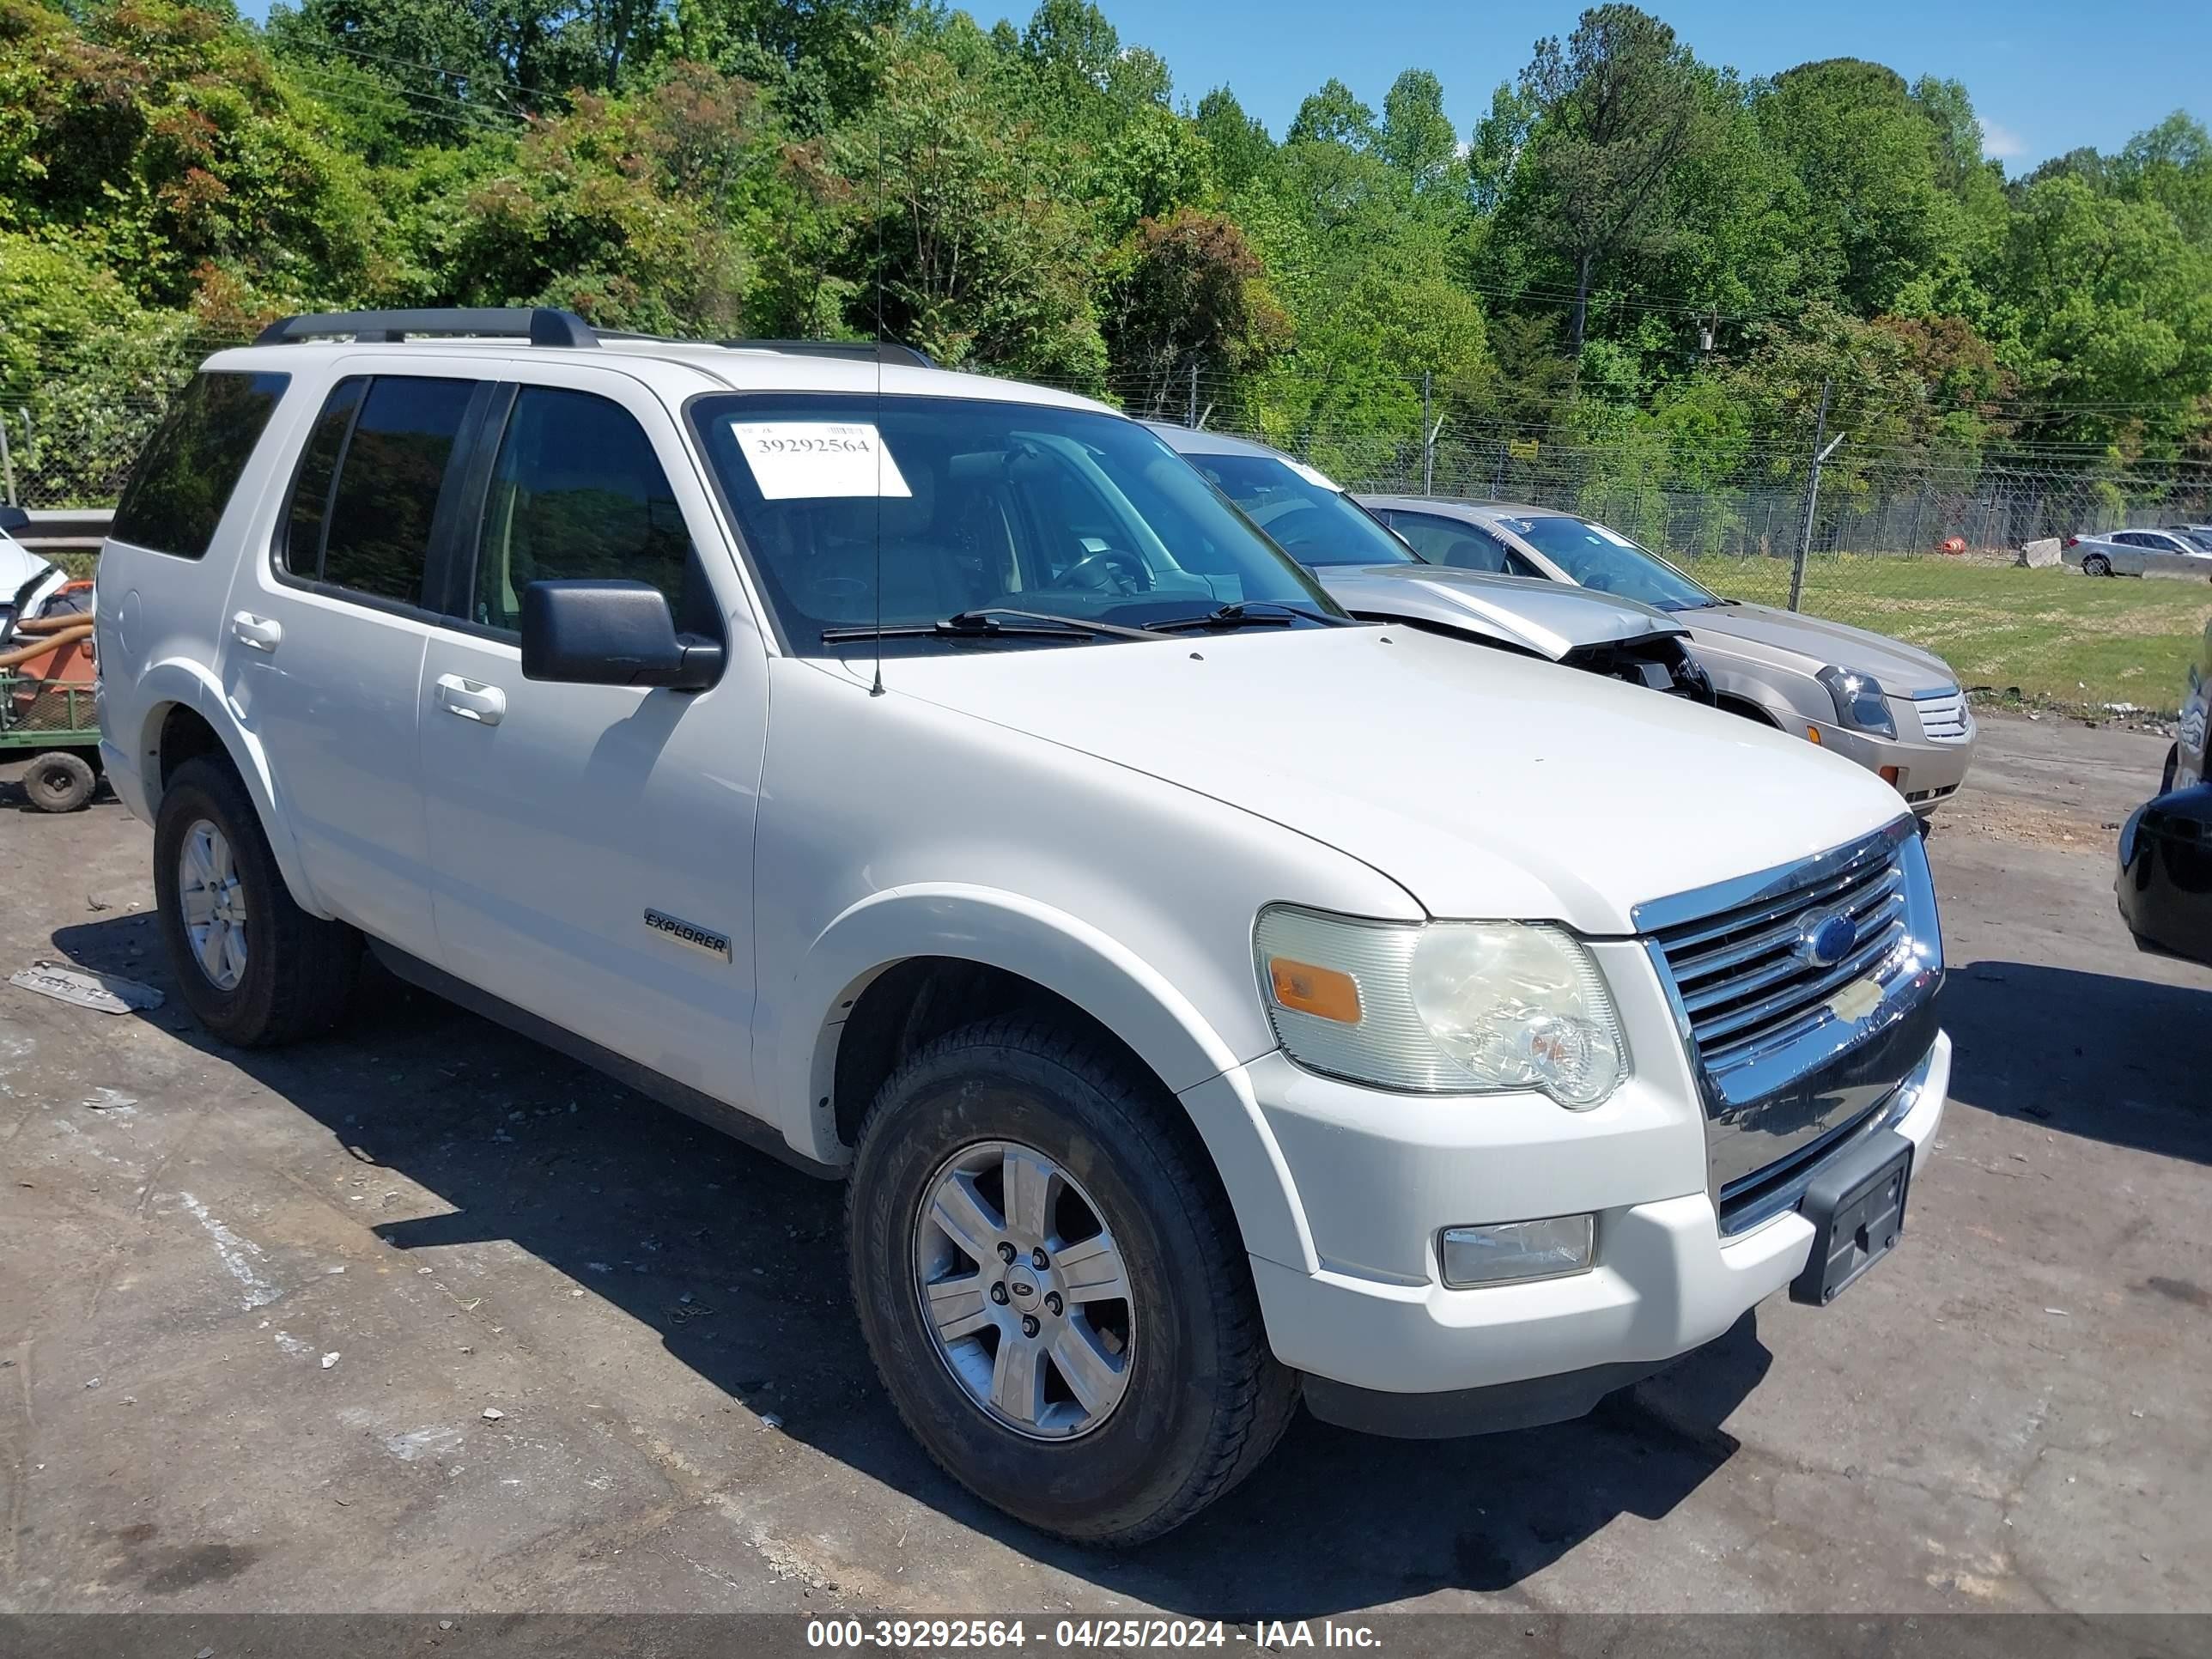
984,1635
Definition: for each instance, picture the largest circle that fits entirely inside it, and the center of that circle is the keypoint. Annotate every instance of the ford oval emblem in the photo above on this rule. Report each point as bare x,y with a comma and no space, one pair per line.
1824,937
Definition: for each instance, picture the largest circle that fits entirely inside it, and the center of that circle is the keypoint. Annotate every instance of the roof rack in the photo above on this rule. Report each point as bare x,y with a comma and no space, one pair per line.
866,351
546,325
542,325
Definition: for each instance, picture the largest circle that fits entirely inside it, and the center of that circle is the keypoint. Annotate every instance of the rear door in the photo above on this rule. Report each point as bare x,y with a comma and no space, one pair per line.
561,817
326,634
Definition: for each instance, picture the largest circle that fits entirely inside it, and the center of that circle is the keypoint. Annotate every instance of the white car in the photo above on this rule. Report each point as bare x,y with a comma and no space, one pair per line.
1212,1000
19,566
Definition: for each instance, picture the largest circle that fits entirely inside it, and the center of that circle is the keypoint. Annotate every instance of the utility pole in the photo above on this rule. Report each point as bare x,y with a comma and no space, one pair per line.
1190,410
1812,495
1428,439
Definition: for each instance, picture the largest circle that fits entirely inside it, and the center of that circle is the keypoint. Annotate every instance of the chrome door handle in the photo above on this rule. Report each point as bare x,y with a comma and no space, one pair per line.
472,700
262,633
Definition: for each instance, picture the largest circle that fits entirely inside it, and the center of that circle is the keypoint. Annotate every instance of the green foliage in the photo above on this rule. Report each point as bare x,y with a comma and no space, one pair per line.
1634,251
1873,214
161,140
1240,147
1618,109
961,236
1190,299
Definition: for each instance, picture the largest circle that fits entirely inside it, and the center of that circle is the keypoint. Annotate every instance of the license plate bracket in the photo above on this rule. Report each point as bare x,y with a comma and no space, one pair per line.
1857,1206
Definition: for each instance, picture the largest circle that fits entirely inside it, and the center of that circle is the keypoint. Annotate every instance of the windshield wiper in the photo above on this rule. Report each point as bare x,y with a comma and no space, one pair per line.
1250,614
985,624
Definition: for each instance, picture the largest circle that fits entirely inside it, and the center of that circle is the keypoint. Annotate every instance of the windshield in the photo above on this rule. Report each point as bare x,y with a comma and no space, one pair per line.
1313,523
1608,562
969,505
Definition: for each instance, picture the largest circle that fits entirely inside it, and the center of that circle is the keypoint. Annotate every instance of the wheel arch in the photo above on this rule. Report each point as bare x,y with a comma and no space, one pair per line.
907,965
187,715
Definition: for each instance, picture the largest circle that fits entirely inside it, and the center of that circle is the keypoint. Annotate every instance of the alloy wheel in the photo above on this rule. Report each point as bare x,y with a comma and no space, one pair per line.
1024,1291
213,900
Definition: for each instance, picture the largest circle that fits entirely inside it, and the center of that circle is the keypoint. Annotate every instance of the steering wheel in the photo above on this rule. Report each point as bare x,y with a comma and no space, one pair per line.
1108,566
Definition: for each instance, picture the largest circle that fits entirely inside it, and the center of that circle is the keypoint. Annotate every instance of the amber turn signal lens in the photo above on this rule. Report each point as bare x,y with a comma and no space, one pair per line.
1889,775
1323,992
1811,734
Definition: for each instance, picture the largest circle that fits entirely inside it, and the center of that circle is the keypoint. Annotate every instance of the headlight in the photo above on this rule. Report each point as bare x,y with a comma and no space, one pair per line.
1443,1007
1860,702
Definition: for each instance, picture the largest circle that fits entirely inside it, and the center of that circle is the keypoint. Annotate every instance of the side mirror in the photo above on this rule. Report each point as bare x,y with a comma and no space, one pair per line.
14,521
611,633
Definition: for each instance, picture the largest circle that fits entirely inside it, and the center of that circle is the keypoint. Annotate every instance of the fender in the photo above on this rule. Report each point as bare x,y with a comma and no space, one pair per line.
1750,689
180,680
1073,959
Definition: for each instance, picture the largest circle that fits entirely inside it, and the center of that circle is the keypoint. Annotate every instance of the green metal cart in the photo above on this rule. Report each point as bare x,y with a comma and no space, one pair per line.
57,723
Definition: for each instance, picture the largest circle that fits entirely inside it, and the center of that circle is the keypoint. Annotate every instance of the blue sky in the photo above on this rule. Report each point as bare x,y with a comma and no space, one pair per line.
2046,76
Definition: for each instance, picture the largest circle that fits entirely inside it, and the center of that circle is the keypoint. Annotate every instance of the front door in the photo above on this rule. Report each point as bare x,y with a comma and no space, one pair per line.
593,845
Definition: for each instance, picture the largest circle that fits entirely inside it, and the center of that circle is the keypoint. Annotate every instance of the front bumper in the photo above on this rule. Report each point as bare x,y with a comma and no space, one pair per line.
1928,774
1388,1350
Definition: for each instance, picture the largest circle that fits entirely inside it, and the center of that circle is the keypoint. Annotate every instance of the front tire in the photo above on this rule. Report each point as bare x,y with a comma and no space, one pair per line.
1016,1165
253,967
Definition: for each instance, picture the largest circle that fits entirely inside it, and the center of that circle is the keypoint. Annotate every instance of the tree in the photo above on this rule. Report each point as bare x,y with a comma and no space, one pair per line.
1242,149
162,143
1617,109
980,258
1191,295
1417,137
2115,304
1873,214
1154,165
1334,116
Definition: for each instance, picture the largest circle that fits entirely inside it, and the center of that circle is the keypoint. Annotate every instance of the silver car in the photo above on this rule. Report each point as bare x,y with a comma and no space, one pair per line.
1372,574
1890,707
2131,552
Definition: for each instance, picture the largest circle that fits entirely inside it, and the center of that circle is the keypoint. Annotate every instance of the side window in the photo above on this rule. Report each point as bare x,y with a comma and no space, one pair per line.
391,452
1452,541
303,547
182,480
577,492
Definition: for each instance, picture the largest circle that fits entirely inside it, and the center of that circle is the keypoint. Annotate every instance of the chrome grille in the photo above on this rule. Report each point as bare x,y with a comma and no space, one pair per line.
1743,979
1942,715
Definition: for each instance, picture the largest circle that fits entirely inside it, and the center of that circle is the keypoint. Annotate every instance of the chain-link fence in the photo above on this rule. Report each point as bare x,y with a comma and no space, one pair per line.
71,460
1919,544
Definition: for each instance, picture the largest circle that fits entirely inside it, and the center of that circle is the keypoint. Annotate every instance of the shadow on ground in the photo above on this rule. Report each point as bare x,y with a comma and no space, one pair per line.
2112,1058
737,1262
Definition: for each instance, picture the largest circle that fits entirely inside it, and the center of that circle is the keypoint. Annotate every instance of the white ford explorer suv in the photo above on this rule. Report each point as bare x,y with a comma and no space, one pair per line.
1212,1000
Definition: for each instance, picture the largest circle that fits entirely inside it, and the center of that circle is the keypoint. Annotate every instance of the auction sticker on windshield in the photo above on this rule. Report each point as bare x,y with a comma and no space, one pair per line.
803,460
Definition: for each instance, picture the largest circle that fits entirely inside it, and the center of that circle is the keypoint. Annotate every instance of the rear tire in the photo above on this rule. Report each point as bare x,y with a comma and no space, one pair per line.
1200,1399
2096,564
288,974
59,781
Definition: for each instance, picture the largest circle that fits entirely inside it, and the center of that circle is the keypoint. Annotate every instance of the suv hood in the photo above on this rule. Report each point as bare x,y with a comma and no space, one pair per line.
1775,634
1483,783
1546,617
